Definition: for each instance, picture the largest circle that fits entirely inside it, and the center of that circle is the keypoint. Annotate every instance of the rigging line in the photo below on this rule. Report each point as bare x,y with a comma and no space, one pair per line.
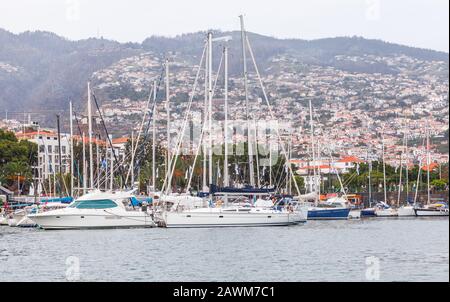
109,138
180,139
140,131
213,92
139,157
269,107
141,153
78,124
195,159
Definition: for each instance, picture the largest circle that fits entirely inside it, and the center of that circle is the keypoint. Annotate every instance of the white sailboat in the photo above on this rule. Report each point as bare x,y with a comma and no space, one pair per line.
439,209
224,216
383,209
408,209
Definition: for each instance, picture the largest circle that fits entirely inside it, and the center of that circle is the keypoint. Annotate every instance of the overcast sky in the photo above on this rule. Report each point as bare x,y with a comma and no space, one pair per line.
421,23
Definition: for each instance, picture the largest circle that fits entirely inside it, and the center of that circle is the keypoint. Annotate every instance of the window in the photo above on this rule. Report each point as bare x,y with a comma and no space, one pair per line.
49,149
41,149
63,149
94,204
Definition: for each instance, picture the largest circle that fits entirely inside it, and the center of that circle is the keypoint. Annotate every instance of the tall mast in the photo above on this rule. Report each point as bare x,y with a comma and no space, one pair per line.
84,164
154,138
97,148
384,169
311,122
270,160
132,159
168,159
401,174
370,179
226,181
249,140
59,156
428,165
112,167
205,119
91,159
210,92
406,166
106,167
71,150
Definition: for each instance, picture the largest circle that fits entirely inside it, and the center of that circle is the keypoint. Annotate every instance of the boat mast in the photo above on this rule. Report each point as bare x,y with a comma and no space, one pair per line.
84,164
406,167
226,181
370,179
106,167
91,159
97,148
59,156
132,159
71,149
311,124
210,95
112,167
401,172
428,164
168,159
384,168
205,119
249,141
154,138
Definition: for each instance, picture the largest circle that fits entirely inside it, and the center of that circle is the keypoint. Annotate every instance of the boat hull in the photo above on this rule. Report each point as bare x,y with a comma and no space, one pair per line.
328,214
50,221
406,212
26,222
354,214
3,220
368,213
386,213
431,213
212,219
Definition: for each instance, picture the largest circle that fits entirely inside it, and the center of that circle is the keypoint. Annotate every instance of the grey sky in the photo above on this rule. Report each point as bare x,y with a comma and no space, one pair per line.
421,23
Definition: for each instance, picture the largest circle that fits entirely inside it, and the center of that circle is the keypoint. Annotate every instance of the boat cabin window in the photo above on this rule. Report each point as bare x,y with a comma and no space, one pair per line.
93,204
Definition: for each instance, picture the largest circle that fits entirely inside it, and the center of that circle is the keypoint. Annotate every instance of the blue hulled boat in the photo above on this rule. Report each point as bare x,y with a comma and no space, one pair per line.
332,209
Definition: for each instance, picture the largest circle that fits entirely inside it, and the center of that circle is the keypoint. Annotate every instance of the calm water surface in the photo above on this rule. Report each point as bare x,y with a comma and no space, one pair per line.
407,249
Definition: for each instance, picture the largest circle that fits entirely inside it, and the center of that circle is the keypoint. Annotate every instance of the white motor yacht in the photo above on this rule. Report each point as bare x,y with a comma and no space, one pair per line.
96,210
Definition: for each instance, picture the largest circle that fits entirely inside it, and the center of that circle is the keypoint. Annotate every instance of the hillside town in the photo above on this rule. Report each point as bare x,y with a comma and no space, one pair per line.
356,115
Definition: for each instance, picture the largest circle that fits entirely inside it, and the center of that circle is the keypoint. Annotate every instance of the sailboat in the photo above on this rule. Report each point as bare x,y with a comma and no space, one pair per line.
408,209
225,207
438,209
383,209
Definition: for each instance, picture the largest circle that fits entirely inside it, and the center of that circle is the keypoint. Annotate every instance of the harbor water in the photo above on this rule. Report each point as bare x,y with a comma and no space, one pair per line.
366,250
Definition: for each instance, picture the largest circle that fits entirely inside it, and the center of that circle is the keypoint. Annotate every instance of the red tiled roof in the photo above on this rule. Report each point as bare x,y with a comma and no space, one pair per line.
121,140
431,167
350,159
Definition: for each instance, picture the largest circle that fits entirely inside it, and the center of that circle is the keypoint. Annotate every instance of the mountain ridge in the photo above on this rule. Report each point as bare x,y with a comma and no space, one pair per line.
42,69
